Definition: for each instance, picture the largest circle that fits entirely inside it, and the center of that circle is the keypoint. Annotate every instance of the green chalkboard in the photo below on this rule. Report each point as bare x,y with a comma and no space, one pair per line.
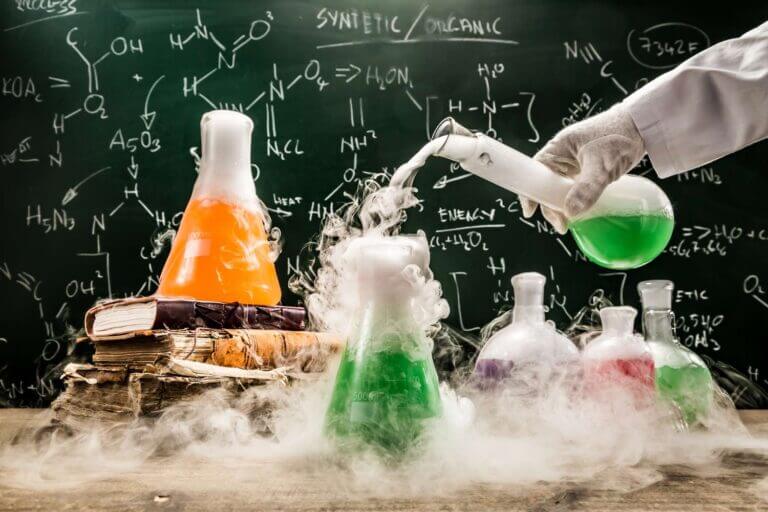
99,127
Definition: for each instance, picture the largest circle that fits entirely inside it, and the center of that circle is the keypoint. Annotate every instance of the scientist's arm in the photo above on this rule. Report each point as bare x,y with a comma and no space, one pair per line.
711,105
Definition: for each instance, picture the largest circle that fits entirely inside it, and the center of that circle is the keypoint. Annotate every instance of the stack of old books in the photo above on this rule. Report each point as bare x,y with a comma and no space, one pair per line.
151,352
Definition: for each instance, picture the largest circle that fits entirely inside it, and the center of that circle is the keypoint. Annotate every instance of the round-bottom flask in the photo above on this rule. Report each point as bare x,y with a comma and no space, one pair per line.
682,377
629,226
619,362
529,350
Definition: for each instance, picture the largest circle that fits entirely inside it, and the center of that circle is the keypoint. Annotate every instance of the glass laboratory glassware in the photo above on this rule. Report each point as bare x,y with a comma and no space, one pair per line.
221,252
629,226
618,358
682,377
528,344
386,387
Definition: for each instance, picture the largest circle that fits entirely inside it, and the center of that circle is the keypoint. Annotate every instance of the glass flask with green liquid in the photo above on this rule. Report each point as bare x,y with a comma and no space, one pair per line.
629,226
386,388
682,378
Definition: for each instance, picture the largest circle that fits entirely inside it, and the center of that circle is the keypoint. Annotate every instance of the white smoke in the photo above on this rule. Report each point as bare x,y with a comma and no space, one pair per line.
485,437
519,433
330,291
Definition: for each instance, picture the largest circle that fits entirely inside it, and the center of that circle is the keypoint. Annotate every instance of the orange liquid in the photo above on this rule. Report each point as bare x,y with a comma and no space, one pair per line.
221,254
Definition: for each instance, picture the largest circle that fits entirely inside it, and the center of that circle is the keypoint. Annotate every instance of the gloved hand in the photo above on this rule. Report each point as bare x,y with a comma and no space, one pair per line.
595,152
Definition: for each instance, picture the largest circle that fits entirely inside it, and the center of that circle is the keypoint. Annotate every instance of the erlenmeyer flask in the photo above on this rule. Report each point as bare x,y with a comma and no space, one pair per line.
629,225
681,376
221,252
528,344
386,386
618,358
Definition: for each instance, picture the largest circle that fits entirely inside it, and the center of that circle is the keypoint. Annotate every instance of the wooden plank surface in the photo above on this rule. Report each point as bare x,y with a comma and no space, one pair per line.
266,488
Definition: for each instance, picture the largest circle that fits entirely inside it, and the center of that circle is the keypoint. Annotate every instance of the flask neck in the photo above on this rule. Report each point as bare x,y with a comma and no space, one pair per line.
225,163
512,170
380,317
528,314
618,320
658,325
500,164
529,297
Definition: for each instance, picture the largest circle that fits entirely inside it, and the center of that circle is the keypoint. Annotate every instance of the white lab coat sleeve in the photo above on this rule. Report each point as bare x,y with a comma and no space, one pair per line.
709,106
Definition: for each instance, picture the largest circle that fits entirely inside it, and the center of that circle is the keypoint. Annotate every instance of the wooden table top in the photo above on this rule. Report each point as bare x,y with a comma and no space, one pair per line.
742,487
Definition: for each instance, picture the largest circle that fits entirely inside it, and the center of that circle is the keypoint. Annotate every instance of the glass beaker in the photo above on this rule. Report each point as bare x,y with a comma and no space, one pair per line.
386,387
629,226
221,252
682,377
618,358
528,344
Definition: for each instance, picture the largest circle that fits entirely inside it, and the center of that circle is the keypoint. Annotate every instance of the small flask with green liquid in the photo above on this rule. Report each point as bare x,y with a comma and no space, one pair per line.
682,378
386,387
629,226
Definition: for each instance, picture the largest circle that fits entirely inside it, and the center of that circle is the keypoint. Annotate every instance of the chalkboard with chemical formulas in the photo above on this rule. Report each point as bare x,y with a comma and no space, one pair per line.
100,105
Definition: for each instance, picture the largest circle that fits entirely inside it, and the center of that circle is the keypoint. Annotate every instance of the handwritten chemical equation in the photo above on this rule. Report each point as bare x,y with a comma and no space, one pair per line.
100,148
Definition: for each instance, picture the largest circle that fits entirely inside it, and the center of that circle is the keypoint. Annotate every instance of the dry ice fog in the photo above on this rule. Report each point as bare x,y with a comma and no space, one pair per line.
543,423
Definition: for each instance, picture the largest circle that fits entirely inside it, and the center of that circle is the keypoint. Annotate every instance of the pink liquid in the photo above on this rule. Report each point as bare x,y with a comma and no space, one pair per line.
634,376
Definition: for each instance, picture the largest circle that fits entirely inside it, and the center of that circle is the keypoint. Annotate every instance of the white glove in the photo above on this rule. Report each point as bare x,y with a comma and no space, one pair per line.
595,152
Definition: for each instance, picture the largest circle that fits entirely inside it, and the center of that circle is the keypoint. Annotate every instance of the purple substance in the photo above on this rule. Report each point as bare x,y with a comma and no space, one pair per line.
527,378
493,369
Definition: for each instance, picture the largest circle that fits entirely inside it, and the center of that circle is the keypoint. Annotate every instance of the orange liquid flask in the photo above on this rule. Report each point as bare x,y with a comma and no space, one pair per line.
221,252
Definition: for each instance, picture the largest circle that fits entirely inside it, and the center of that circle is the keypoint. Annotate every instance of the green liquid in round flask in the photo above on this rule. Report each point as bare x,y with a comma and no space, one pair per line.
682,378
386,388
629,226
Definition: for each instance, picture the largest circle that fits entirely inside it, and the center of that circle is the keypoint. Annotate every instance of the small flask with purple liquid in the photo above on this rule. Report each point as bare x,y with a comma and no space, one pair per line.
529,348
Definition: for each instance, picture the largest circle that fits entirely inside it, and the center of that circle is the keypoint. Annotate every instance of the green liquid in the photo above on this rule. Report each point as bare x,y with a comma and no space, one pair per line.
383,399
689,387
622,241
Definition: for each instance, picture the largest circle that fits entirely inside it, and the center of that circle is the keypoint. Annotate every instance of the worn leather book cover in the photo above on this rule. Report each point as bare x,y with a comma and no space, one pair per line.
153,313
248,349
96,395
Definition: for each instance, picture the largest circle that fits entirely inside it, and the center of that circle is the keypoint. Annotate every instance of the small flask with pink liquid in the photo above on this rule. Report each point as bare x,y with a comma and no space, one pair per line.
619,361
